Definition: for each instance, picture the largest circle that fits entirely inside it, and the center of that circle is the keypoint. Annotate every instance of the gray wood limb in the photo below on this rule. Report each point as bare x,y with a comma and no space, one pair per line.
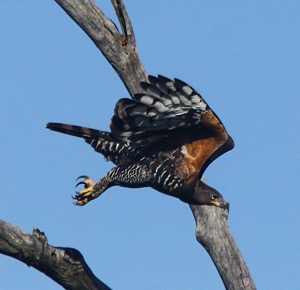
213,233
124,20
66,266
119,50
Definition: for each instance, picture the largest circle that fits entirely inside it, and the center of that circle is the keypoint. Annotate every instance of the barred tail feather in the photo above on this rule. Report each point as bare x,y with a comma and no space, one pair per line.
103,142
77,131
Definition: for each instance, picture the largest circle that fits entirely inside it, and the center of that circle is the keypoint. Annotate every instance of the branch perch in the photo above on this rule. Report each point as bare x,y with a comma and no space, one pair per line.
213,233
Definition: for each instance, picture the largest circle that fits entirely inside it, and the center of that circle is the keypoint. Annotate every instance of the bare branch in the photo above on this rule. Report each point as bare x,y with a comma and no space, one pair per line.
119,50
66,266
128,33
213,233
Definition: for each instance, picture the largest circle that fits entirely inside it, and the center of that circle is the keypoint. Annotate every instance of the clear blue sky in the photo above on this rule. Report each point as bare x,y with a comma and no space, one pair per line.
243,56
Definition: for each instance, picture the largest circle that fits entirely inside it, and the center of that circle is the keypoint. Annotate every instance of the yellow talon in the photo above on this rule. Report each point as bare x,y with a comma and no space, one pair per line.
88,183
84,196
81,202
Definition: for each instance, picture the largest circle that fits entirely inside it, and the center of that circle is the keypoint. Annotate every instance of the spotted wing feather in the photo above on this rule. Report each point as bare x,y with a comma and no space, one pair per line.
166,105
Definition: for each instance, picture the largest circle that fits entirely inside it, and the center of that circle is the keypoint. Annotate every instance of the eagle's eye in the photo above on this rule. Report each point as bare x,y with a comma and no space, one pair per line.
213,196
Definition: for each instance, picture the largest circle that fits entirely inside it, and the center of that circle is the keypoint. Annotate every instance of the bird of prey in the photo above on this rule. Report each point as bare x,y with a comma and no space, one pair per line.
164,137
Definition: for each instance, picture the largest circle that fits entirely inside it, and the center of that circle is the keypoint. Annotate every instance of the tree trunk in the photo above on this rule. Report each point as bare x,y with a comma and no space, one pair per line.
212,230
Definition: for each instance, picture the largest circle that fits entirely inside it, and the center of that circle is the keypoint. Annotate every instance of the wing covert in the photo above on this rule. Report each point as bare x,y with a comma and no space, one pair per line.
166,106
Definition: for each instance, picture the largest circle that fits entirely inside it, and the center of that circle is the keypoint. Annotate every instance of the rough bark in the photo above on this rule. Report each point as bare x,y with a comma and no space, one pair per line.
118,48
213,233
66,266
212,229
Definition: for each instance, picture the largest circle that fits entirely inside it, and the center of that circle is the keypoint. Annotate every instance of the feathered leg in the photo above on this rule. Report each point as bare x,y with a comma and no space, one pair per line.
133,176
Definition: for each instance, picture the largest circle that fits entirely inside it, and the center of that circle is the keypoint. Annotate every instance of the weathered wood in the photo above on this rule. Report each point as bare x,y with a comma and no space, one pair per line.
119,49
213,233
66,266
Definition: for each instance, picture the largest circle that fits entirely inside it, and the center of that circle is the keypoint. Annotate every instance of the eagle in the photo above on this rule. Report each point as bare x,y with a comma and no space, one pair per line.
164,137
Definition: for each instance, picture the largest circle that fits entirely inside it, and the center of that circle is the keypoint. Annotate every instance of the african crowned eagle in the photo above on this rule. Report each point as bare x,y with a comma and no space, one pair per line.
164,139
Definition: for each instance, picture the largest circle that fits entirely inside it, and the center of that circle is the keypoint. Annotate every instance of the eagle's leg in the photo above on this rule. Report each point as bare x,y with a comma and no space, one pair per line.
135,175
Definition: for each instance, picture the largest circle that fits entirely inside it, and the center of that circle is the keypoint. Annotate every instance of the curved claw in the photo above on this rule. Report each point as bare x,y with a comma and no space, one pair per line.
77,196
82,176
84,196
81,182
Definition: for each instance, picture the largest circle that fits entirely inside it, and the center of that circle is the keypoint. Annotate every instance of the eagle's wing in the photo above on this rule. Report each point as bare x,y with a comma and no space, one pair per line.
167,105
171,110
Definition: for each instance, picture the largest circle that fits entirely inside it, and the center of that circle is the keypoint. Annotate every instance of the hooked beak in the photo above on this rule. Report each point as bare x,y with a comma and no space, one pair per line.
223,204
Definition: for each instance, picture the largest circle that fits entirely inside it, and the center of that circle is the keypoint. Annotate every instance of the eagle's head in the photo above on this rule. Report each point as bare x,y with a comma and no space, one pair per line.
202,194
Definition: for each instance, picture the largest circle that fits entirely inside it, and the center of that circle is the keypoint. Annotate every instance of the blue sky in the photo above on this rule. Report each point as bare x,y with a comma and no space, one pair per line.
242,56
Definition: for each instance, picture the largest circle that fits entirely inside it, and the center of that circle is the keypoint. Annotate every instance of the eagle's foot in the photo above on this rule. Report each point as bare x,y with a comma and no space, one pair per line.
87,194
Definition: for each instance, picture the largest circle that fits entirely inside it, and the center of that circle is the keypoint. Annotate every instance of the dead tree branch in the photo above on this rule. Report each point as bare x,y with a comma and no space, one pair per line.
213,233
66,266
212,229
119,49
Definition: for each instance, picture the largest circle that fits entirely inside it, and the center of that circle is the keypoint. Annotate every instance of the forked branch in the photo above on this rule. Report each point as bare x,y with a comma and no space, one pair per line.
119,49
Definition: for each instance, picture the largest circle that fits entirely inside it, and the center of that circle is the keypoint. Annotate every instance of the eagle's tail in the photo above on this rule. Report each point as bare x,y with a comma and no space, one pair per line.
78,131
103,142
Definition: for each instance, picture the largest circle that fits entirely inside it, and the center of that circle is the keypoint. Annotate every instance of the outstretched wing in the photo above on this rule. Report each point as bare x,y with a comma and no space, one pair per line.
172,112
